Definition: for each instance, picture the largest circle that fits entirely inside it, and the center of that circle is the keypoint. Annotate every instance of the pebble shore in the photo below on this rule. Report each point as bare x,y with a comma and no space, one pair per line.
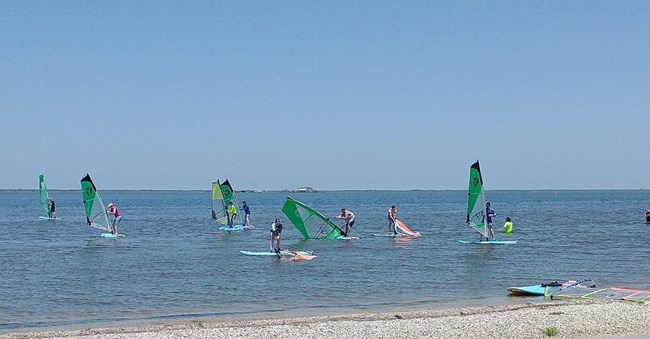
595,319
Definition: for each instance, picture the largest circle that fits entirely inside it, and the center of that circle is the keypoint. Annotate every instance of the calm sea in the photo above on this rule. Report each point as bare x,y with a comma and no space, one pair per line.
175,264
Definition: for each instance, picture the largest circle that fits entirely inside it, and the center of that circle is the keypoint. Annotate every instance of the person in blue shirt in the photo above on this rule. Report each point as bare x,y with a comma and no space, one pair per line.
489,213
247,213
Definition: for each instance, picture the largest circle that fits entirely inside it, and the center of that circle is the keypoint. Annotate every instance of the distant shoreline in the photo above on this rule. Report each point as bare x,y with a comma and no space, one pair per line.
587,319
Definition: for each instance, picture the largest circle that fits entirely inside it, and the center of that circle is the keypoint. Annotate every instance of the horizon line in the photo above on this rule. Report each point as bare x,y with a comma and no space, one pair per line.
330,190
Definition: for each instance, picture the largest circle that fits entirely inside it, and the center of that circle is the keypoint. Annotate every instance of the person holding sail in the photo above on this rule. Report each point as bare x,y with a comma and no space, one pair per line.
489,214
392,218
348,217
52,206
112,210
276,230
232,214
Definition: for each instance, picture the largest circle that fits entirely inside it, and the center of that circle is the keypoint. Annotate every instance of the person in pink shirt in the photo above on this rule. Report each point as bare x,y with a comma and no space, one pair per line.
112,210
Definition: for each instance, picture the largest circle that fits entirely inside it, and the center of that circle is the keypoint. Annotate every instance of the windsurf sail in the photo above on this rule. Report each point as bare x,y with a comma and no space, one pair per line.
222,195
309,222
476,201
405,229
44,197
577,291
96,215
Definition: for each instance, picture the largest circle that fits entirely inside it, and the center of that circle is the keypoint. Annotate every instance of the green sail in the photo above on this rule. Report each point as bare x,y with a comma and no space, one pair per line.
96,215
309,222
43,195
224,194
476,200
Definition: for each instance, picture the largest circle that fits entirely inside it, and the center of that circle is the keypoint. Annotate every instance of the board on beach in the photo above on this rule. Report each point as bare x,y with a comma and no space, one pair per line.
490,242
112,236
275,254
533,290
550,287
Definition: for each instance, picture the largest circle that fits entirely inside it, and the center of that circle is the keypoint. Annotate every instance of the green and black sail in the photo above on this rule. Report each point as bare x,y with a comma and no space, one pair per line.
309,222
96,215
222,195
476,201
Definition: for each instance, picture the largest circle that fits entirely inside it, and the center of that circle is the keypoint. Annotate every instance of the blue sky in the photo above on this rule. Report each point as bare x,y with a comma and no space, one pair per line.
329,94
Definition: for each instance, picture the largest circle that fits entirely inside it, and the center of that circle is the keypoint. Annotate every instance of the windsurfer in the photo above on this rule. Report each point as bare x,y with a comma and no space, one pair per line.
647,216
507,226
349,220
52,206
489,213
232,214
392,217
276,230
112,210
247,213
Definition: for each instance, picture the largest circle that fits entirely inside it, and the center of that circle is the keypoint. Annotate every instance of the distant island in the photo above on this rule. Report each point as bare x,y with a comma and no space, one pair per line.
304,189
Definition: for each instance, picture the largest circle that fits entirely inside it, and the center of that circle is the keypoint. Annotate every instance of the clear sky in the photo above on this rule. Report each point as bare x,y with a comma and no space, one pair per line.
328,94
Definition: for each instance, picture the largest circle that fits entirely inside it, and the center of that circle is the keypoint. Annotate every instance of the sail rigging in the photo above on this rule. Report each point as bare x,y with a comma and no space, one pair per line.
44,197
309,222
96,215
476,201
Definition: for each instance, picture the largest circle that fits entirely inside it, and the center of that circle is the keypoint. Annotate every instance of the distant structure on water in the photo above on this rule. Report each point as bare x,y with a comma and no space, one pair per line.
305,190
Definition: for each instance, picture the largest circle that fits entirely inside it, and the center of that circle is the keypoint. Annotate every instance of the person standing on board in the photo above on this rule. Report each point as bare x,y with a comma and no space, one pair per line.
489,213
276,230
232,214
507,226
349,220
647,216
392,217
112,210
52,206
247,213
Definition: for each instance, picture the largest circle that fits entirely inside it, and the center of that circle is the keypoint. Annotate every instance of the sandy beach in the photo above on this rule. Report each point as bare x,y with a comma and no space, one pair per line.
602,319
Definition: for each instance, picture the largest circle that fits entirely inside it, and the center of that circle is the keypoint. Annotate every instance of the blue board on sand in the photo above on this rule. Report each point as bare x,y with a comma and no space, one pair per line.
112,236
550,287
274,254
490,242
533,290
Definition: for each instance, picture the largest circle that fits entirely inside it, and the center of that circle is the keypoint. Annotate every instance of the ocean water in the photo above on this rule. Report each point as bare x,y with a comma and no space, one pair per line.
175,264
